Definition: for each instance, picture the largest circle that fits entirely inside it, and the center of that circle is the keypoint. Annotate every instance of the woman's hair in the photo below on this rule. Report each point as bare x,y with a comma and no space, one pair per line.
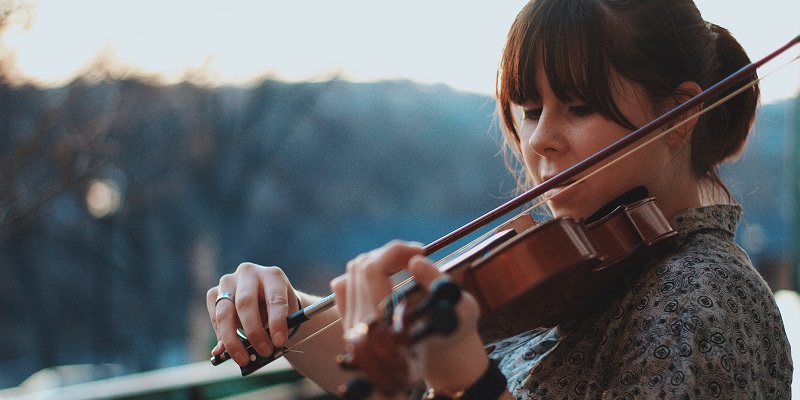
585,44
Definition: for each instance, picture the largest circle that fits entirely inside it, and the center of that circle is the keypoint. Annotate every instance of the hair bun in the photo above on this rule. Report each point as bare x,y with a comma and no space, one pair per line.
730,122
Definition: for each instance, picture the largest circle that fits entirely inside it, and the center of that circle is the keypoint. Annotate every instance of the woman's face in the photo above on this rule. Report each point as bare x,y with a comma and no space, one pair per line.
556,135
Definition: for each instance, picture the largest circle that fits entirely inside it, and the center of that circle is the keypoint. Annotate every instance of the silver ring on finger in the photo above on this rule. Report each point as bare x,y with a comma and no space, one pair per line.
224,296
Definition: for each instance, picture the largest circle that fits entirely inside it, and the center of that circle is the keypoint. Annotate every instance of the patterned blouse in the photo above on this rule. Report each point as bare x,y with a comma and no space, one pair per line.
699,323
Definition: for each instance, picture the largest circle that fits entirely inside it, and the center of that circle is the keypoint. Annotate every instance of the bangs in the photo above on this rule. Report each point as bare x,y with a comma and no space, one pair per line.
574,45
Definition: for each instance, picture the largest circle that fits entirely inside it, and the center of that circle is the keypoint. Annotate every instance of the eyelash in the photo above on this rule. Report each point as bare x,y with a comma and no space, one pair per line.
533,113
580,110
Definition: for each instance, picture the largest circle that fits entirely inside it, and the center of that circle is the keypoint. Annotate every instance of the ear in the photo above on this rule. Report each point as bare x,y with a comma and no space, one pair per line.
687,121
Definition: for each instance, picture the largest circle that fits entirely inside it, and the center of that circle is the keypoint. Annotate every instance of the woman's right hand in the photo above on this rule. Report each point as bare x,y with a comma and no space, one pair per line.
262,298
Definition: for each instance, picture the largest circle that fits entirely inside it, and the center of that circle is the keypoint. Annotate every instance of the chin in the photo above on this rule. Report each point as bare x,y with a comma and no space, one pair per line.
574,202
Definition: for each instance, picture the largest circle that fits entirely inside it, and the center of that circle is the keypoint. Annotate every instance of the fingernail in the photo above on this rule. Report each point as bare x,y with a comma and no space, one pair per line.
216,349
278,339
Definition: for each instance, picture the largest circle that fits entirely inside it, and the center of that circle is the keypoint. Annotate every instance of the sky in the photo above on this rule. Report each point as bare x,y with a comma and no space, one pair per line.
454,42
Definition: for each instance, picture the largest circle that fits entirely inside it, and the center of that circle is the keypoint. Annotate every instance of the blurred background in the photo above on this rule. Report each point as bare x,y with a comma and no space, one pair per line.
148,147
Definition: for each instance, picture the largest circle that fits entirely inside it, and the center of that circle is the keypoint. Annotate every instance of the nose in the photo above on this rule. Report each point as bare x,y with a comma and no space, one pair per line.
543,137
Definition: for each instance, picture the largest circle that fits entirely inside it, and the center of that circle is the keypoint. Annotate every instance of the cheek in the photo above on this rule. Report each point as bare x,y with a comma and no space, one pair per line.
528,155
524,134
600,137
530,160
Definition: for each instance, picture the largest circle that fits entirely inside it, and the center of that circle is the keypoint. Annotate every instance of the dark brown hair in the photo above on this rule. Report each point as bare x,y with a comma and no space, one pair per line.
658,44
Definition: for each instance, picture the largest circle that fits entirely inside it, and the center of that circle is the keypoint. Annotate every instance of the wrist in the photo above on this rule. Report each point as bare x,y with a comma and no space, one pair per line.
489,386
457,367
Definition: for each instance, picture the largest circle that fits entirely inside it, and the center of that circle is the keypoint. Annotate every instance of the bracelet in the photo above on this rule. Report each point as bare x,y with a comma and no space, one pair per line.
299,308
489,386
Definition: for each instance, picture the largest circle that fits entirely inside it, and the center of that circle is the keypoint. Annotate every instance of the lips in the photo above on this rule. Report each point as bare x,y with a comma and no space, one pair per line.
554,191
567,183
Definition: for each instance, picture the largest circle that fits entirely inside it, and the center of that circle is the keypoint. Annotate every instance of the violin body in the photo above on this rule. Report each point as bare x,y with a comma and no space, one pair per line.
548,272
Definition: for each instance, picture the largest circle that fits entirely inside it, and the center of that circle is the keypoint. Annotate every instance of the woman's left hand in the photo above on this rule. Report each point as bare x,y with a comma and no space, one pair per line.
454,361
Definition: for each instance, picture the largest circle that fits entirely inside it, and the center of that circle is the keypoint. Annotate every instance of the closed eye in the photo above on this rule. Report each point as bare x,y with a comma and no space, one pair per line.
581,110
533,113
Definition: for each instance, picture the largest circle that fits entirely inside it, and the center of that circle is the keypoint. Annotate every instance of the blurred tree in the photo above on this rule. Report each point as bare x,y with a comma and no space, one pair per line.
301,175
795,190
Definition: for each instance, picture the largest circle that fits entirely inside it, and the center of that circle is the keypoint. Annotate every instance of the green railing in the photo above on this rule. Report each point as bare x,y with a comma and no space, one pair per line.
198,381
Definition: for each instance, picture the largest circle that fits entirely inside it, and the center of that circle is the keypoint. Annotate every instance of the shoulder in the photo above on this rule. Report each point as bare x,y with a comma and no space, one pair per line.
708,274
703,318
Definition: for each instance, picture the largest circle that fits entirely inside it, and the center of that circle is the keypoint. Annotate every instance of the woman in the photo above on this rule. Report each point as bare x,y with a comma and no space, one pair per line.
695,322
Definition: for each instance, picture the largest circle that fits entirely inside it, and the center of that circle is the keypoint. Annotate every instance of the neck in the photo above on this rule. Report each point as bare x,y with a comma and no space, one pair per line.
677,196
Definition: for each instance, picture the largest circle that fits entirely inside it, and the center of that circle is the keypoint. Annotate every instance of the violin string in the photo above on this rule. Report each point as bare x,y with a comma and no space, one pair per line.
324,328
542,200
465,247
311,336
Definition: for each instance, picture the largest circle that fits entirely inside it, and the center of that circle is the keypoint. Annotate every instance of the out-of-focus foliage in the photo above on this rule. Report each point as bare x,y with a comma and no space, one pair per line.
304,176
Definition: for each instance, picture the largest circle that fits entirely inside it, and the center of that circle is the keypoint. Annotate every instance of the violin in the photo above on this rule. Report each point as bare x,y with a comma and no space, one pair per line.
568,259
536,273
